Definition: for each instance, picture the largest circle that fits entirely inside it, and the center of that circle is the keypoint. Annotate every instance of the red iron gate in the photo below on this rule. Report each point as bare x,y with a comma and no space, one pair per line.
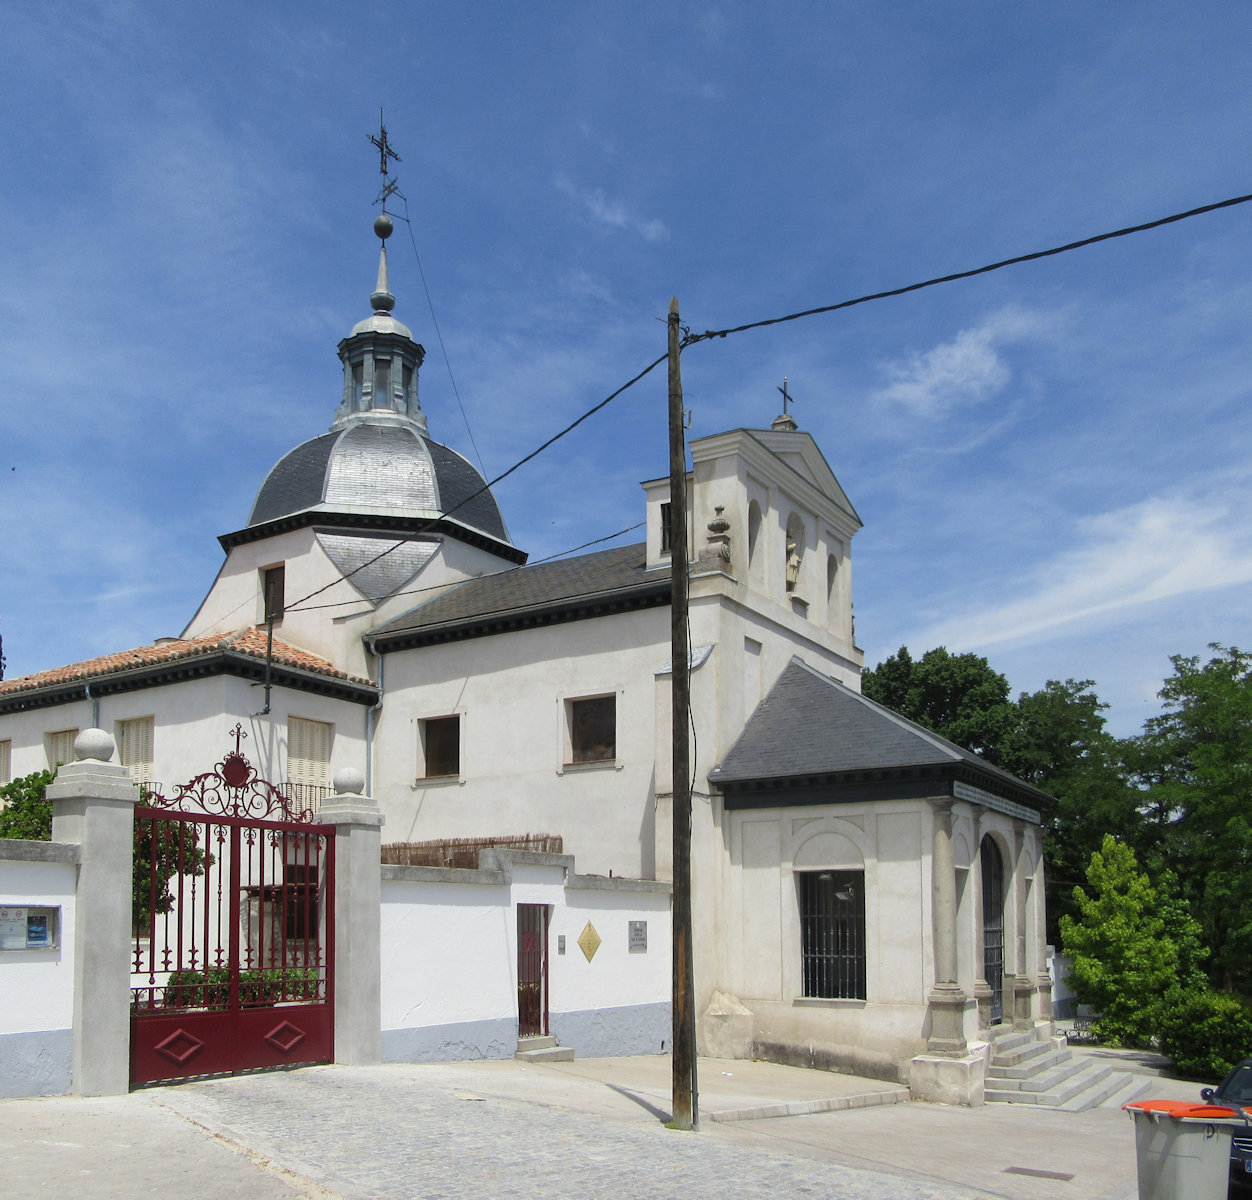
233,959
532,970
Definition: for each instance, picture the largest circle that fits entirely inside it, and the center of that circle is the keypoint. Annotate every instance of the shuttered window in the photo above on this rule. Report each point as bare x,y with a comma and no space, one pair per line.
308,752
60,747
134,747
6,760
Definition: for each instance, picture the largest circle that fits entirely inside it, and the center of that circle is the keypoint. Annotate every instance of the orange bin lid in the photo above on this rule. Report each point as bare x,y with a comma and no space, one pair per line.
1184,1109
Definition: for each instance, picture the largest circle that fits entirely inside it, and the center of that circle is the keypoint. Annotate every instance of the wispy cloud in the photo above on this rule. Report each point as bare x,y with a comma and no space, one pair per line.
963,372
1163,547
615,214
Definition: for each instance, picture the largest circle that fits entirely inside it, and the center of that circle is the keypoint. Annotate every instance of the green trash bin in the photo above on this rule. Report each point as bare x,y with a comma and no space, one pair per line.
1182,1150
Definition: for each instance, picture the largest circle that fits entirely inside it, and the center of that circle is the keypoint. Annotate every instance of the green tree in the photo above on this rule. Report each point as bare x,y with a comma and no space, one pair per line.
1121,960
1059,743
25,812
165,845
1194,766
958,696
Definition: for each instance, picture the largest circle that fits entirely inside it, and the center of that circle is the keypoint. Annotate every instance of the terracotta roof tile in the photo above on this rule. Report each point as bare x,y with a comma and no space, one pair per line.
250,642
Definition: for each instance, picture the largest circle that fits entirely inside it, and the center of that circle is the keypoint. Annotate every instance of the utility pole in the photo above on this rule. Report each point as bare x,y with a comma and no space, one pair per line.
685,1102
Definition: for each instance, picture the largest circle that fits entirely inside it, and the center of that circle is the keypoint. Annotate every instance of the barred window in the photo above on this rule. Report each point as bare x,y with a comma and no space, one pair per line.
832,933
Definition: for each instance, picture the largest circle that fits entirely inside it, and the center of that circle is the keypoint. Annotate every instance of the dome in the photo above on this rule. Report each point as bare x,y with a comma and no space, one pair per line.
376,464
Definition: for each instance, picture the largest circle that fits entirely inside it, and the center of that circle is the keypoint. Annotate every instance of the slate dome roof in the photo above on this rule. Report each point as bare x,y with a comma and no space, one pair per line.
378,464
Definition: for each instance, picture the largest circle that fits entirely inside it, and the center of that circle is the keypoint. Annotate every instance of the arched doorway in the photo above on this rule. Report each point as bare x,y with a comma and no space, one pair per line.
993,925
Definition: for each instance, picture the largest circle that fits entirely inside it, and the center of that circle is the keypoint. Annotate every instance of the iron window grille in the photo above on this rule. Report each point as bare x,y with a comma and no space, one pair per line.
832,933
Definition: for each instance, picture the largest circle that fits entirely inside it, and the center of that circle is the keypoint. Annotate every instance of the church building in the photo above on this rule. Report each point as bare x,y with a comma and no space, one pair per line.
867,896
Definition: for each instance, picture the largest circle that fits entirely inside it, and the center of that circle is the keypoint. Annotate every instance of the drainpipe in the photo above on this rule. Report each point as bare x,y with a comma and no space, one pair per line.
95,705
371,719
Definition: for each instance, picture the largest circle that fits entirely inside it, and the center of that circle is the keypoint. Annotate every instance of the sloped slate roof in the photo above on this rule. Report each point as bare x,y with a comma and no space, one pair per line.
570,586
388,466
812,725
245,643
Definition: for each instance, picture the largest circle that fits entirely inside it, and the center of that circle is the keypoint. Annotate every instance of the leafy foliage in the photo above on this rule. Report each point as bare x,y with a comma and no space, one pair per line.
958,696
1205,1033
27,814
211,988
26,811
1194,764
1122,961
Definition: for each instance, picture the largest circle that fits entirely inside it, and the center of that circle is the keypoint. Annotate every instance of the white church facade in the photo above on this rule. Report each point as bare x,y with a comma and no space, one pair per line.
867,897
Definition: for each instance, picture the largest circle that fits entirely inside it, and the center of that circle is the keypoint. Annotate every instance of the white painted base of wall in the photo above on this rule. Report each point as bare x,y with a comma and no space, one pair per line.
36,1064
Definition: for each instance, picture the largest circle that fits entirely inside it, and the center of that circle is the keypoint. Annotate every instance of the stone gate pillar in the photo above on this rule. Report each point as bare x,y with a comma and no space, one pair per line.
93,806
358,924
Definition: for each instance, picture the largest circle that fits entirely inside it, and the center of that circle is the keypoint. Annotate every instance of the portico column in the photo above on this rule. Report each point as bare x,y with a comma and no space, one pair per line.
947,1000
1022,982
1043,980
358,923
93,805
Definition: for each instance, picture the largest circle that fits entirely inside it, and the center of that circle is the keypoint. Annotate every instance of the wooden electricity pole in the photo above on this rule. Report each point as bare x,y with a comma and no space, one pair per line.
685,1103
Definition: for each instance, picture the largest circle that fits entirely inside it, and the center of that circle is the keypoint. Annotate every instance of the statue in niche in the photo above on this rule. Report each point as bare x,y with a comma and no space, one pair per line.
793,563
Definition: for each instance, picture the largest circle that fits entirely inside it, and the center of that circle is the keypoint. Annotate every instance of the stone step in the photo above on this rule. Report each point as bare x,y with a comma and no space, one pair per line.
1121,1087
1031,1067
542,1049
1021,1055
1052,1071
1065,1091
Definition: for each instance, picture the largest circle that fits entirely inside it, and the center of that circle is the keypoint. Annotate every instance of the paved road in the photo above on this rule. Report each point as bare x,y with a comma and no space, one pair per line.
580,1130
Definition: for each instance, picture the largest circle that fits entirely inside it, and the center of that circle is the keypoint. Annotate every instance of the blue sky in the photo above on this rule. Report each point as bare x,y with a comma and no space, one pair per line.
1052,462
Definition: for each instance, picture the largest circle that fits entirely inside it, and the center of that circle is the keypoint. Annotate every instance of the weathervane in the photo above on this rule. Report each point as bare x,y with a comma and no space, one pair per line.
390,186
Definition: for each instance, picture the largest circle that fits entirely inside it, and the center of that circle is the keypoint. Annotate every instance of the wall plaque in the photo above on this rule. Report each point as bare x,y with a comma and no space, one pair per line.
638,937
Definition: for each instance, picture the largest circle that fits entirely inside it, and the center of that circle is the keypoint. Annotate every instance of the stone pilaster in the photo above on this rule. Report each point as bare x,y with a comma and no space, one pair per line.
946,1000
358,905
93,806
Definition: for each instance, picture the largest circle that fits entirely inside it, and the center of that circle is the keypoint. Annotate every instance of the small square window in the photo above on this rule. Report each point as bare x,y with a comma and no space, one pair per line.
273,592
592,729
441,747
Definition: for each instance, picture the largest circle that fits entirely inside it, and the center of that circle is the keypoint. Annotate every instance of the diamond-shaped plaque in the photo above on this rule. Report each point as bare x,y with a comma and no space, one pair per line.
285,1037
589,941
179,1046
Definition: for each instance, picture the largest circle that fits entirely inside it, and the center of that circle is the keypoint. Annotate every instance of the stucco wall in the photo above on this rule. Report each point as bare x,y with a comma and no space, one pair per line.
449,955
37,986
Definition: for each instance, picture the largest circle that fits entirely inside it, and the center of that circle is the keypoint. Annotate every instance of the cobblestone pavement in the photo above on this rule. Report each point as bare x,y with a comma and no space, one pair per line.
387,1134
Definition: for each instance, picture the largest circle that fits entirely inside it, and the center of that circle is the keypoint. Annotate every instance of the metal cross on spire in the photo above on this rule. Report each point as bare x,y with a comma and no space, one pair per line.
787,397
385,152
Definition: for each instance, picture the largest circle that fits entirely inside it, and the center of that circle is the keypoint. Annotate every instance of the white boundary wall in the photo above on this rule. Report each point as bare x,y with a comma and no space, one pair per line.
449,959
37,986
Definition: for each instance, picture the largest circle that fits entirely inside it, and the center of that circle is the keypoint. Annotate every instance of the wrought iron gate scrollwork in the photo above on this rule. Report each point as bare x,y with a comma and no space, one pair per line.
233,907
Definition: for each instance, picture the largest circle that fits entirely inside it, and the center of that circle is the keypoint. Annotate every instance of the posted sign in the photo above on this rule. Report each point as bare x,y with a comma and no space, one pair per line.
26,927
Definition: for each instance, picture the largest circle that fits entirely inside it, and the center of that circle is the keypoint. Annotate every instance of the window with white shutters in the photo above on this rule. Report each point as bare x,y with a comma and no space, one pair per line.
60,746
308,759
134,747
6,760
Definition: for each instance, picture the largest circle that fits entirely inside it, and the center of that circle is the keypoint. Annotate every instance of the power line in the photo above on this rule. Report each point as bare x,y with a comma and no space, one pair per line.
995,266
690,339
434,320
521,462
434,587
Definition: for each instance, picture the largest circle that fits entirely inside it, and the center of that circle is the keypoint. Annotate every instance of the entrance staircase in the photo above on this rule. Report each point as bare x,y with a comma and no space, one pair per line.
542,1049
1024,1070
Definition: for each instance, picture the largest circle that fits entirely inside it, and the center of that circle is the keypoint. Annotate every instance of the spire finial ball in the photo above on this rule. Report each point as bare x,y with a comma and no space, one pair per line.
383,226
